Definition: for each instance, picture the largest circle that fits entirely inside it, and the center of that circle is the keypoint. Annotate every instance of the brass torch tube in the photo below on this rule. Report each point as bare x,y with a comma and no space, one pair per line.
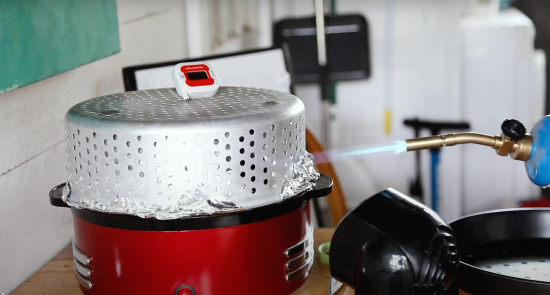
453,139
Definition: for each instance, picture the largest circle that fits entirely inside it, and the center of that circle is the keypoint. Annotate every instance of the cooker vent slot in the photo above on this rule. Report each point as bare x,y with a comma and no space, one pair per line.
305,244
83,273
299,261
87,284
302,271
82,270
81,257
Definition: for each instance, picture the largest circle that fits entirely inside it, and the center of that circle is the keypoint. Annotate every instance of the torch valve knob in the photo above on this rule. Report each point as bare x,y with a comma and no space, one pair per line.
513,129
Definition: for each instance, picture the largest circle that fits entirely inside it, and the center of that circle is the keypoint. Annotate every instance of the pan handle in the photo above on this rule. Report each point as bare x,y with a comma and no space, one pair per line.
323,188
55,196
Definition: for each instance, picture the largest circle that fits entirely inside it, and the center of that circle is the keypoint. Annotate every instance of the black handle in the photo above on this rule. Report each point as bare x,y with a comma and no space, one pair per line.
56,196
323,187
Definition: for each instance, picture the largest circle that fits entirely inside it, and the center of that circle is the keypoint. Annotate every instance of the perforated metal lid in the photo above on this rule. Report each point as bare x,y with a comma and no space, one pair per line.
151,154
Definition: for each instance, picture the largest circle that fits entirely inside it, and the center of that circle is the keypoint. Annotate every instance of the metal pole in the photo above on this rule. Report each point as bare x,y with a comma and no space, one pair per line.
320,25
323,71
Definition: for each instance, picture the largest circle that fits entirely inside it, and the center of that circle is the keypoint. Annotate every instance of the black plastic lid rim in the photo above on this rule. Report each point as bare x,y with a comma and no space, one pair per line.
323,187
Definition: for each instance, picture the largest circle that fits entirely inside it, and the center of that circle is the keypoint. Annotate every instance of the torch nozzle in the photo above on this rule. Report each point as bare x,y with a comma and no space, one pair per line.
519,150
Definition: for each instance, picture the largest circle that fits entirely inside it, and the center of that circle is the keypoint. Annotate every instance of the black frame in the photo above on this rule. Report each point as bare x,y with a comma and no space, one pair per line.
333,47
129,73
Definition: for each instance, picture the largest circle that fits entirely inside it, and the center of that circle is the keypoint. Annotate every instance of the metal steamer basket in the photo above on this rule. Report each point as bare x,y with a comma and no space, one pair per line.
221,184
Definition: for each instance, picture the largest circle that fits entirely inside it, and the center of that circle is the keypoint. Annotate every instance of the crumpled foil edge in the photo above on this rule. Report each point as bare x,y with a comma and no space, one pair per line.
195,202
305,177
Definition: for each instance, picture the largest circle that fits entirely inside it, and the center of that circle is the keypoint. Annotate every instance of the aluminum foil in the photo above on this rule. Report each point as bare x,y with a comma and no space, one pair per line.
192,203
195,202
304,178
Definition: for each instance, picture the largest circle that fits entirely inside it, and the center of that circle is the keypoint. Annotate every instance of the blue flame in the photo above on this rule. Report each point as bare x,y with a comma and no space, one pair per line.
398,147
340,155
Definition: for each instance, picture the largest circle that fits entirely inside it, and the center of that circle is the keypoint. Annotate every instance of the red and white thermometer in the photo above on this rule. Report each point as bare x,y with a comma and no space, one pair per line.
195,80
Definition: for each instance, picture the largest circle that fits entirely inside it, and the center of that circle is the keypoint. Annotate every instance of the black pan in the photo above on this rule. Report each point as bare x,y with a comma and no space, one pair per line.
505,252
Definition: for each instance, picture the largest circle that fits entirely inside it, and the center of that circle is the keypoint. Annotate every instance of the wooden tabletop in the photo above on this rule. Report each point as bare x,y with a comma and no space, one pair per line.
58,278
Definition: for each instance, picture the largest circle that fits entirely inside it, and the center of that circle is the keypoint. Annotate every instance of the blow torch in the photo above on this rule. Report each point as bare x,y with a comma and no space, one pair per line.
533,148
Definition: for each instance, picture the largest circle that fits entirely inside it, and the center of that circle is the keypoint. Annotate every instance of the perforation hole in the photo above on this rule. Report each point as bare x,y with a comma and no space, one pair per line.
252,155
265,181
265,170
228,159
243,174
251,131
241,151
140,150
105,142
115,137
253,178
216,142
227,146
254,190
241,139
252,167
252,143
242,162
130,168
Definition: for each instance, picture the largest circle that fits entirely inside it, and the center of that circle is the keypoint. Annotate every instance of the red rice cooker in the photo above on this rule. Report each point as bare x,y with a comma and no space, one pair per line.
200,197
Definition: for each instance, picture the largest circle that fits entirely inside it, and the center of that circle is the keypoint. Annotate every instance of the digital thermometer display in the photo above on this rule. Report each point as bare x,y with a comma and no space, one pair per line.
202,75
195,80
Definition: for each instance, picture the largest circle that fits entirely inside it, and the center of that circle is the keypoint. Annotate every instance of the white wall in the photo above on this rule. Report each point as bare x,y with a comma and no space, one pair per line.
428,60
32,153
502,73
424,74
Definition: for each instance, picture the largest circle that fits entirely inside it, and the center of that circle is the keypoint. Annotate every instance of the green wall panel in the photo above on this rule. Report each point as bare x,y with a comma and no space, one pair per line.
42,38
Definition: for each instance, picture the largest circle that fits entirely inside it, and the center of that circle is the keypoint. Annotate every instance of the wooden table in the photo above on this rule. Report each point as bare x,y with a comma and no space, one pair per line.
58,278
